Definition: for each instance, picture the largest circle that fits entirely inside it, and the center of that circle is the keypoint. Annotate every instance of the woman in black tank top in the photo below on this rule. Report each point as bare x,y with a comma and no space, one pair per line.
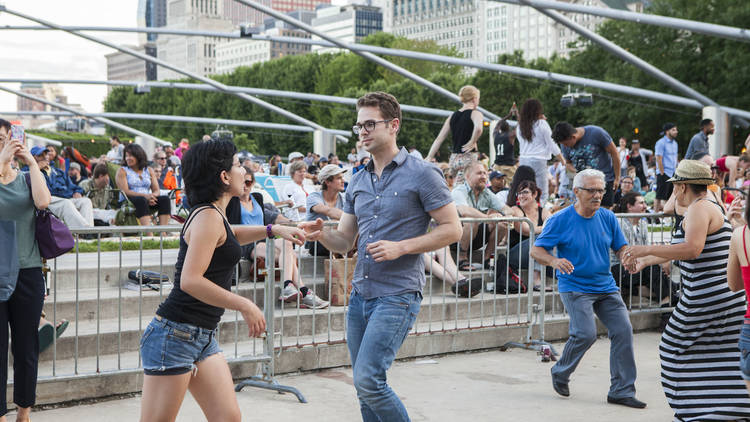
519,236
179,348
465,126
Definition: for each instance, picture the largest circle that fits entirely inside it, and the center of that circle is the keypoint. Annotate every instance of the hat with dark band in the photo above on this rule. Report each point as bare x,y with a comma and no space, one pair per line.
692,172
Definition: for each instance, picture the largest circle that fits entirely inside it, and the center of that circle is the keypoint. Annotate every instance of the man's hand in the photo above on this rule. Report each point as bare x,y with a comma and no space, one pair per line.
76,195
666,268
384,250
563,265
313,229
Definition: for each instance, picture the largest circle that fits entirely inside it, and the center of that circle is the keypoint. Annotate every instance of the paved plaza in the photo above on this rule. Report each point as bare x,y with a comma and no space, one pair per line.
488,386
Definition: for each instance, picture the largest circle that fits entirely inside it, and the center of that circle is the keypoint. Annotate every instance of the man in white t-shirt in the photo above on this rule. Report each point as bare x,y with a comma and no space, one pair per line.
114,155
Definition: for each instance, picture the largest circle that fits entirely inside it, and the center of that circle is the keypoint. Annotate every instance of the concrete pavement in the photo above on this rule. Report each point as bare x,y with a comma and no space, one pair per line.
487,386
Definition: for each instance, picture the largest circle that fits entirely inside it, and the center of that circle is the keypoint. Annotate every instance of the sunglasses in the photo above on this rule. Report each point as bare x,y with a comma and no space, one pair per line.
249,183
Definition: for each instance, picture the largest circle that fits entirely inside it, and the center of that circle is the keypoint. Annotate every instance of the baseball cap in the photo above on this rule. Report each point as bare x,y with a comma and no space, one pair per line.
635,141
324,159
330,170
294,155
75,166
495,174
38,150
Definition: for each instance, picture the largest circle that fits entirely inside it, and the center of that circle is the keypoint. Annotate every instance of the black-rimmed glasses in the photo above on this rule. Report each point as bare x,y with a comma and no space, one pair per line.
368,125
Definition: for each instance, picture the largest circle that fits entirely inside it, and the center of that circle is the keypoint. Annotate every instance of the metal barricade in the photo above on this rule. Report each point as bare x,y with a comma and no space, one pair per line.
107,319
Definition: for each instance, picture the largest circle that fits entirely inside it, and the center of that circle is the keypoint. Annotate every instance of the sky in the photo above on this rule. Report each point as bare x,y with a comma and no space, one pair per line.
59,55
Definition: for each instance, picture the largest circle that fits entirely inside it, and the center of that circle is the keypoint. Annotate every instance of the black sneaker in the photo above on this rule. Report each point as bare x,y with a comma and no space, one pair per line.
467,288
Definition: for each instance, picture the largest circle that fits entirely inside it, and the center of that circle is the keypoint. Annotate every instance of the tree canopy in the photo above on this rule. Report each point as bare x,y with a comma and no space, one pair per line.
712,66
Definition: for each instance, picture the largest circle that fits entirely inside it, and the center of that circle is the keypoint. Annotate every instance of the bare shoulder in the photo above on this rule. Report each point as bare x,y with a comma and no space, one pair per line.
206,227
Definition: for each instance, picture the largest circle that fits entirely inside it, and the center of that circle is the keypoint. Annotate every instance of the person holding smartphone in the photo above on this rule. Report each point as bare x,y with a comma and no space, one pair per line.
24,307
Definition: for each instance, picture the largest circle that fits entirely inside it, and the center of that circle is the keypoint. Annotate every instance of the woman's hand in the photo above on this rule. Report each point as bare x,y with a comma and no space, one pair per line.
635,251
25,156
256,322
10,150
292,234
736,211
468,147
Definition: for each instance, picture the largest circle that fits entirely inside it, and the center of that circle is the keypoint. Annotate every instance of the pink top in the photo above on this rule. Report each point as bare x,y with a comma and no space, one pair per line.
746,272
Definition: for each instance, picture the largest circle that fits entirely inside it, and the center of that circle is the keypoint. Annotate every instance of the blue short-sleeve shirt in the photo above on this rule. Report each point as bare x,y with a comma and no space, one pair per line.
667,149
585,242
316,198
394,206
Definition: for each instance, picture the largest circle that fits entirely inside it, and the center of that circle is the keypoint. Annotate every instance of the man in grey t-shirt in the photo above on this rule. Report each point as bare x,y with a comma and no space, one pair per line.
590,147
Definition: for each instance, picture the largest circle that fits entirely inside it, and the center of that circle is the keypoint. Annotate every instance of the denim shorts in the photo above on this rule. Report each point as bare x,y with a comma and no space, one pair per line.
745,350
173,348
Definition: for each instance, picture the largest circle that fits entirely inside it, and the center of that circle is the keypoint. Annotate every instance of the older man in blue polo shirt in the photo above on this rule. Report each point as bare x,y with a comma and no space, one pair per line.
583,235
389,203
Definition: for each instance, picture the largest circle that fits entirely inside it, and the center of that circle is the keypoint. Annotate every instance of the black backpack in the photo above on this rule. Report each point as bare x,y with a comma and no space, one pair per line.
507,281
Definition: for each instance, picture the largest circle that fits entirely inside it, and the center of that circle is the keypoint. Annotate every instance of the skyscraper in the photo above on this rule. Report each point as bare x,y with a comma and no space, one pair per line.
151,14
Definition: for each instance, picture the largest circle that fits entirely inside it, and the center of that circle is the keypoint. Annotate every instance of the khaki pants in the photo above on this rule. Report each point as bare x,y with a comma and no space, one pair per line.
508,171
74,212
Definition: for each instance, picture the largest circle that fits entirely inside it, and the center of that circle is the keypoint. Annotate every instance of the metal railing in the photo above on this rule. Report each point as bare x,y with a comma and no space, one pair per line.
108,312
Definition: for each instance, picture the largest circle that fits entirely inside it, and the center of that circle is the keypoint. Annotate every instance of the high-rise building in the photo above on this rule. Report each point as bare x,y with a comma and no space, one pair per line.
124,67
241,14
246,52
195,54
482,29
450,23
348,23
151,14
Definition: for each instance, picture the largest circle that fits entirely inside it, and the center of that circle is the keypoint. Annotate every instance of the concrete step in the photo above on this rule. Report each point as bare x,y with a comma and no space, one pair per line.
292,355
87,337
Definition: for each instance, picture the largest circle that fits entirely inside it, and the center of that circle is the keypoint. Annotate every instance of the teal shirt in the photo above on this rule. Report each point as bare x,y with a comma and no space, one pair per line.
16,205
463,195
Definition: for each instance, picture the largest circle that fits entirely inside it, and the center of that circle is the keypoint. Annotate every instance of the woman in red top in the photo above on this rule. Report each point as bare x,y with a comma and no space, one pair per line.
738,277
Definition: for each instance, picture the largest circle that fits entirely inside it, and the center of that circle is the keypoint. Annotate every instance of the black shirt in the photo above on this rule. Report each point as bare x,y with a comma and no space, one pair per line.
503,149
461,127
180,306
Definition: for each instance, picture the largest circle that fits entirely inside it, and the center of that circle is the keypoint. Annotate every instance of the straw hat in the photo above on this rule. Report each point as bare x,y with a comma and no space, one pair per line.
692,172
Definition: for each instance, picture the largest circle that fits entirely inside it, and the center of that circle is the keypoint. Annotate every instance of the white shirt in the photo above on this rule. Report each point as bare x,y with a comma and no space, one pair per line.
115,154
503,196
542,147
294,192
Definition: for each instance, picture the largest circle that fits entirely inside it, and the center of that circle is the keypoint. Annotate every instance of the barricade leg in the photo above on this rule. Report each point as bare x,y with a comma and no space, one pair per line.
266,379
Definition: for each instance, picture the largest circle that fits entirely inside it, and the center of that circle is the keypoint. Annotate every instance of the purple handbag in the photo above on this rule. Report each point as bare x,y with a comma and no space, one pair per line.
52,235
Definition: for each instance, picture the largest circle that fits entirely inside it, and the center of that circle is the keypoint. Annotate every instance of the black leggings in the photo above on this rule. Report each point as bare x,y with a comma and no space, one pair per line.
653,277
22,312
142,208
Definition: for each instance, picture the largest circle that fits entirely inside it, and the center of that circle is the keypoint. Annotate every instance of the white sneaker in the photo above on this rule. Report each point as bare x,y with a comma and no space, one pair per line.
289,293
312,301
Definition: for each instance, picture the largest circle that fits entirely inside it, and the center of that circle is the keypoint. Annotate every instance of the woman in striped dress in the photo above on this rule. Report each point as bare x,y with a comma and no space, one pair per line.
698,350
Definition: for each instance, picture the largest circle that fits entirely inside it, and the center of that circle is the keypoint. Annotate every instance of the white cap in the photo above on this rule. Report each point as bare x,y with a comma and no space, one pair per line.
330,170
294,155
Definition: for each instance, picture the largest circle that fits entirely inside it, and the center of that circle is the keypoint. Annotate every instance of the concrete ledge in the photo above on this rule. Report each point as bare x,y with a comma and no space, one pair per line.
75,388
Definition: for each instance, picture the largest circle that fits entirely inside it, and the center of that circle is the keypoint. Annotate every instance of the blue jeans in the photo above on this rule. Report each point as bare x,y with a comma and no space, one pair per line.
745,351
173,348
376,328
611,310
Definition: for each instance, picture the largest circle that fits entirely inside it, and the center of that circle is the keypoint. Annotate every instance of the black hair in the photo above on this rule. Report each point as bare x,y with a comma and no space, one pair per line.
697,189
562,132
705,122
202,165
502,127
115,138
531,185
531,111
627,200
138,153
522,173
6,124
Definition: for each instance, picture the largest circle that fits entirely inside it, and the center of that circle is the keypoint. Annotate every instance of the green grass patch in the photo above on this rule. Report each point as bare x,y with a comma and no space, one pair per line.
657,229
127,245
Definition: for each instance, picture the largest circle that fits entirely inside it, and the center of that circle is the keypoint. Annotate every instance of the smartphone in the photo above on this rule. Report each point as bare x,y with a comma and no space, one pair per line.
16,132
